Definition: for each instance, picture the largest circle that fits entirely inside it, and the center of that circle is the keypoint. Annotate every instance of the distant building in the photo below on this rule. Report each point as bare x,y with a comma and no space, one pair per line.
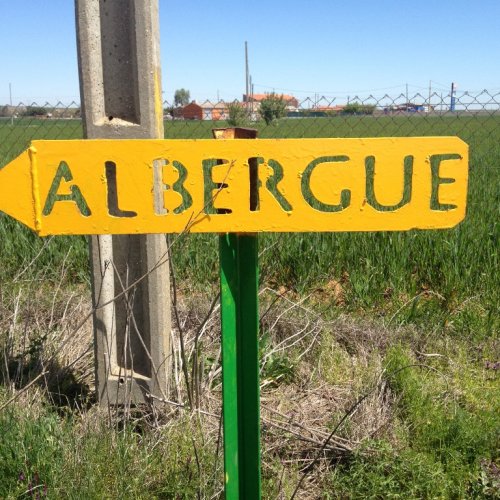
252,109
64,113
408,107
203,111
316,112
39,111
8,110
328,109
291,101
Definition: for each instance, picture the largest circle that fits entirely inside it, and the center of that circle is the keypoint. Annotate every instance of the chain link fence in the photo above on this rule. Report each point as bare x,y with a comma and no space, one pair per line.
429,278
475,118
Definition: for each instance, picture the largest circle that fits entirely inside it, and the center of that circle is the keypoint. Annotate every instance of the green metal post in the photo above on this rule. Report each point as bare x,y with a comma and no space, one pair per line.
240,365
239,278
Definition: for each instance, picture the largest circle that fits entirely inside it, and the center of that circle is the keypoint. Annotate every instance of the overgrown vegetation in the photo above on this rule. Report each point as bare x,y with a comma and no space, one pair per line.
388,339
238,115
83,457
272,108
35,111
355,108
181,97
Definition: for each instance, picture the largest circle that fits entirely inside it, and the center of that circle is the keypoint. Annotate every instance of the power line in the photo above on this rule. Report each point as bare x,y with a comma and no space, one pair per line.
444,85
337,92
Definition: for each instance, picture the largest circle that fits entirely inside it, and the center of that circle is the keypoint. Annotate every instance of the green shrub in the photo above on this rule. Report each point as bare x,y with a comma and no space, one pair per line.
238,115
355,108
34,111
387,473
440,425
272,108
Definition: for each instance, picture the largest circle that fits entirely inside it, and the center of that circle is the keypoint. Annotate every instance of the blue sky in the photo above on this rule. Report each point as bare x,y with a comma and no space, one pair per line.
331,48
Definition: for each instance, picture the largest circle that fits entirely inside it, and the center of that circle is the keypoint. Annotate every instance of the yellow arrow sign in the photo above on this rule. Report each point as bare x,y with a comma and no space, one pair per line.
287,185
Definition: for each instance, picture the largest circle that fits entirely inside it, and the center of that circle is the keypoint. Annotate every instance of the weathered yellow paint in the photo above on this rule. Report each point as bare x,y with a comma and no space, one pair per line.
25,185
35,186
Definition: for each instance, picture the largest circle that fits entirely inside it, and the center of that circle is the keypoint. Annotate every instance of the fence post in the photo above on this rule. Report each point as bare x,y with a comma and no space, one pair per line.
239,278
120,85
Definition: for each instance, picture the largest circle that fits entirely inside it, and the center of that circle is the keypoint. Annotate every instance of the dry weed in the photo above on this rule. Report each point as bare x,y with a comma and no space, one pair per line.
49,336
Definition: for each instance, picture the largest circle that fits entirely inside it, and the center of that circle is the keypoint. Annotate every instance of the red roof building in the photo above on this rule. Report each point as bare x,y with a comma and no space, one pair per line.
203,111
290,100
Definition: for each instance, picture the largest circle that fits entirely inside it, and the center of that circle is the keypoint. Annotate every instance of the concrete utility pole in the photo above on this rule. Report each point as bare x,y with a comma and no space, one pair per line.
247,78
11,108
452,97
120,85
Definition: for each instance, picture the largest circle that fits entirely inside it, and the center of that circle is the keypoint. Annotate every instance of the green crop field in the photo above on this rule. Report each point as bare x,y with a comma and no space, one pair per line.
412,316
384,269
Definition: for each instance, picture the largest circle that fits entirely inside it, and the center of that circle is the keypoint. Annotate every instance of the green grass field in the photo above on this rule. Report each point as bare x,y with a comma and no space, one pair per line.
384,269
423,309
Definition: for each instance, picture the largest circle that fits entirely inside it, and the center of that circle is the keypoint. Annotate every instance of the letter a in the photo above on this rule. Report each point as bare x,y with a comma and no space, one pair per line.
63,172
